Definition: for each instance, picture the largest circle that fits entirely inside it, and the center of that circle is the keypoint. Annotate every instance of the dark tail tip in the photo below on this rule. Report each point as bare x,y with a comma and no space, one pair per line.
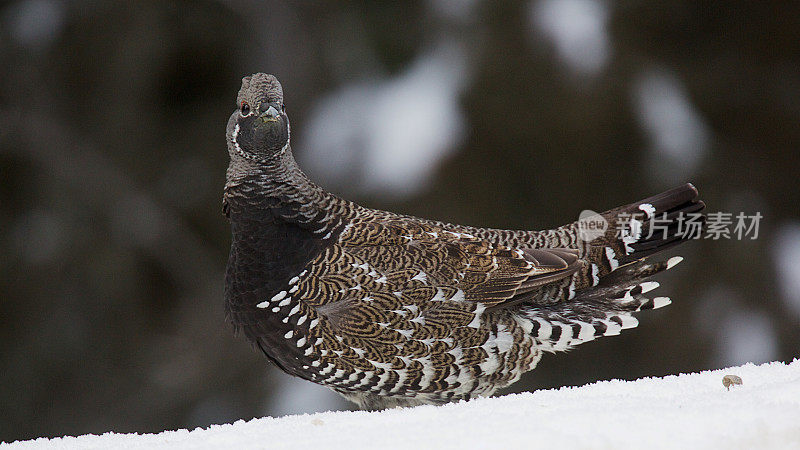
659,222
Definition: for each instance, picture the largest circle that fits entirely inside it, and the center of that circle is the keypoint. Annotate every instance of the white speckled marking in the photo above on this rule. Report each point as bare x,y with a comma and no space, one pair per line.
504,340
631,234
659,302
565,339
421,276
628,321
648,209
674,261
406,333
587,332
648,286
612,258
545,330
476,321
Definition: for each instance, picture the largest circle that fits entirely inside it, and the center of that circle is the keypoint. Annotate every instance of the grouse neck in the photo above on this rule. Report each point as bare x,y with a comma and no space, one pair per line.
277,184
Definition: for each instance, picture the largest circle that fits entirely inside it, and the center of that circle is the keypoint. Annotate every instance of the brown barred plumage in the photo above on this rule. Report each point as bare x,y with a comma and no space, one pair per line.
392,310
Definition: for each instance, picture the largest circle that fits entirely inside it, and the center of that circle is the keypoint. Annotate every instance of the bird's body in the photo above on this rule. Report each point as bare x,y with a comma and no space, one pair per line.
391,310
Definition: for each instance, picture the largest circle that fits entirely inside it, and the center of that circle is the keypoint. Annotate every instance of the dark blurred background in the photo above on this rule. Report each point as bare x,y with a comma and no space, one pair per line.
502,114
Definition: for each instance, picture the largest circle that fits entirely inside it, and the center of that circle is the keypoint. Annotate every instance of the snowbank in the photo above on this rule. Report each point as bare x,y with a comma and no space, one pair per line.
684,411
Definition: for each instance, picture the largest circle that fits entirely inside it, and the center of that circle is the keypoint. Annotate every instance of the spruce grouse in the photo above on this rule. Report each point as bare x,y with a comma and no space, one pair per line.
392,310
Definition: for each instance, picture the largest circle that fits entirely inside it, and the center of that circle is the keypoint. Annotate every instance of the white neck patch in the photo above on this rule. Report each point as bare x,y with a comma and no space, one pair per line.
235,142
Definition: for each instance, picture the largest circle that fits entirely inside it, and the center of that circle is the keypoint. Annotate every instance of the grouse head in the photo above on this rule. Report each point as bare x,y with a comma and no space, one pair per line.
259,129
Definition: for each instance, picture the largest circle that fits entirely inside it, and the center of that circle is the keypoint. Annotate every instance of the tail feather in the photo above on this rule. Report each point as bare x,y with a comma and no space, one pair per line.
651,225
602,298
639,230
604,310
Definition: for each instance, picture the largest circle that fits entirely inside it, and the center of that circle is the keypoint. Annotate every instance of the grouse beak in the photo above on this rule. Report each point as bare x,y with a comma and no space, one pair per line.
270,115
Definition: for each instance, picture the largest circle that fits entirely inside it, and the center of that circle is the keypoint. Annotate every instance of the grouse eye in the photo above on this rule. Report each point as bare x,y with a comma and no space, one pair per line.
245,109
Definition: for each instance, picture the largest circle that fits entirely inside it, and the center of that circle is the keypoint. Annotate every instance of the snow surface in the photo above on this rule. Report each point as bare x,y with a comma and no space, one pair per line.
684,411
